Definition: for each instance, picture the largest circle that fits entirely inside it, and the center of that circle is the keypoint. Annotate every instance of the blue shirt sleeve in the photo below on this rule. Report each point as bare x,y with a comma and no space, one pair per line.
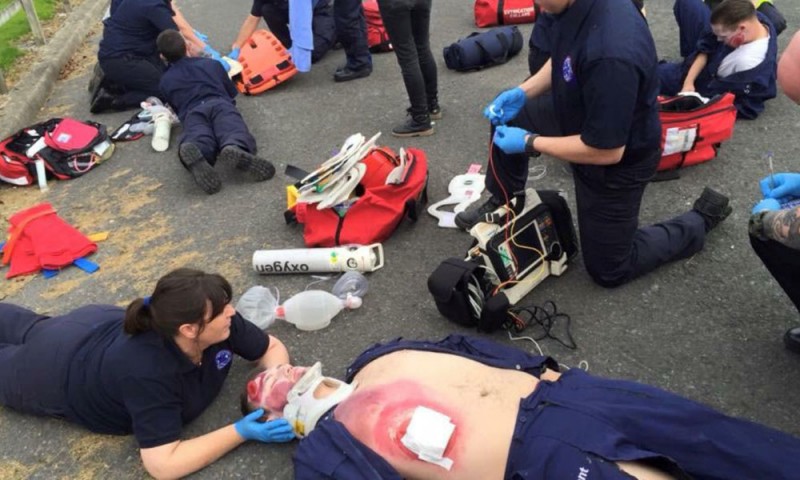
256,9
162,17
610,94
247,340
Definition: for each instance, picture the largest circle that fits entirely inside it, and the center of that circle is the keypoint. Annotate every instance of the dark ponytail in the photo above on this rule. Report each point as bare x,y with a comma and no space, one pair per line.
181,297
137,318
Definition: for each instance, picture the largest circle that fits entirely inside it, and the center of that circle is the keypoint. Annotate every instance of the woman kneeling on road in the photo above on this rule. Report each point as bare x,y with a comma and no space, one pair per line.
146,370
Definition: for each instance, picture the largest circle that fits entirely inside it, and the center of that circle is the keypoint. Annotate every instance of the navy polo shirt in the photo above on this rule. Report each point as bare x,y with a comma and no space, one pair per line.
143,384
133,27
604,80
190,81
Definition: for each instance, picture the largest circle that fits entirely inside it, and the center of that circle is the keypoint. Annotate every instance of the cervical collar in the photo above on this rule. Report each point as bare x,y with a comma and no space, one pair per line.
303,409
464,189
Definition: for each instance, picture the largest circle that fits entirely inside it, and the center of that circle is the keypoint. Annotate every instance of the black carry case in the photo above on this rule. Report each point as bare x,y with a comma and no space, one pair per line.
481,50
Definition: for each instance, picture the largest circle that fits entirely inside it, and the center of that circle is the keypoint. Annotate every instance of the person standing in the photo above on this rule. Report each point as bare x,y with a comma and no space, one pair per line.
611,136
408,26
351,31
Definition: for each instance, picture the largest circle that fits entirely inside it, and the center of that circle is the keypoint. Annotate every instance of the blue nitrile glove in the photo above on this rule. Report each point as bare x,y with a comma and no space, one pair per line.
273,431
786,185
767,204
234,55
505,106
510,139
202,36
210,52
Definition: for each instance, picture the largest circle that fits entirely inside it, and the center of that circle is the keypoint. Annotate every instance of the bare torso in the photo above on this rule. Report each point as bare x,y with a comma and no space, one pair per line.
481,401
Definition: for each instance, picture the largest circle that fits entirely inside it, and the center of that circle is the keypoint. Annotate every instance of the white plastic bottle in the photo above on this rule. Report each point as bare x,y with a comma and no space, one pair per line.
314,309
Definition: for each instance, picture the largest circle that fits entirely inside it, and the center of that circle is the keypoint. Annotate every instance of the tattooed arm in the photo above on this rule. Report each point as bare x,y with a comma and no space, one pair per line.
783,226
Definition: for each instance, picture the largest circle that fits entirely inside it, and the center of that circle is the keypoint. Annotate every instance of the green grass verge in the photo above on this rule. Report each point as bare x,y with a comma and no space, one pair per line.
17,27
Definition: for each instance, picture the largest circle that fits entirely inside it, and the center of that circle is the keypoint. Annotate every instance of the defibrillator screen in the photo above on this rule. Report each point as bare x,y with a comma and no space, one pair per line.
531,240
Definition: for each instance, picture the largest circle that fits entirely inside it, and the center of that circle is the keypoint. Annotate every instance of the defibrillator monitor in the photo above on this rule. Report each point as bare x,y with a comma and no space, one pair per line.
531,240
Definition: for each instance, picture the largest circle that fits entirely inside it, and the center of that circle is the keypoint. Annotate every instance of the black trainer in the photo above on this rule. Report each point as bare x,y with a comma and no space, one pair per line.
103,101
468,218
792,339
416,126
97,79
434,109
203,173
345,74
257,167
713,207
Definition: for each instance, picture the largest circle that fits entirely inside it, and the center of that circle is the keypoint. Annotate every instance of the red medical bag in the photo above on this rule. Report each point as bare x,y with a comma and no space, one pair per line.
489,13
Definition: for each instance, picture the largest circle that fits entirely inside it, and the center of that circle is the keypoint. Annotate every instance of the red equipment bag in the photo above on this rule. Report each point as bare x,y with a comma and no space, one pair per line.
489,13
377,212
377,37
692,131
68,147
265,64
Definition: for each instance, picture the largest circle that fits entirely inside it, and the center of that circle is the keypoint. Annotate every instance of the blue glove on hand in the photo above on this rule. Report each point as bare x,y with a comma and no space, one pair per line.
510,139
234,55
202,36
273,431
505,106
210,52
786,186
766,204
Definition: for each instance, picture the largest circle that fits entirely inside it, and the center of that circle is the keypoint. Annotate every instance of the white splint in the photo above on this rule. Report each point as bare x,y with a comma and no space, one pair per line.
351,161
343,188
328,167
464,190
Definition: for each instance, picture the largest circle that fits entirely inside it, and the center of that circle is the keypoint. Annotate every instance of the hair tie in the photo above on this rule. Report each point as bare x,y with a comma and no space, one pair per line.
146,301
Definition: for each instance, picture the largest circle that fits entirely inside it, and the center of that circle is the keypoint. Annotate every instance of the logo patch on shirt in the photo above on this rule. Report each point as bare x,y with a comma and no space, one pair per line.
223,358
566,70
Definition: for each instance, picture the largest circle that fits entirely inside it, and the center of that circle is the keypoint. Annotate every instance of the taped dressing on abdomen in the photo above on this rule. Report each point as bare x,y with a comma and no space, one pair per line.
428,435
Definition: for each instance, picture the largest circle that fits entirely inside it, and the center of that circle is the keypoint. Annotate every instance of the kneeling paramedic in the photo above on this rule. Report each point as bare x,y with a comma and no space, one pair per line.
602,74
305,27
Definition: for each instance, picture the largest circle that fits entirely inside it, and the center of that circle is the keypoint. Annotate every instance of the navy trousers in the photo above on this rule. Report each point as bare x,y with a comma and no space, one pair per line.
322,25
351,30
132,79
615,249
35,353
408,26
215,124
693,18
783,263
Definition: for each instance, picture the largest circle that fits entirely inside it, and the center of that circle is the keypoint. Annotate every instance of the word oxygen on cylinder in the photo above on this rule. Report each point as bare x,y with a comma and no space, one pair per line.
357,258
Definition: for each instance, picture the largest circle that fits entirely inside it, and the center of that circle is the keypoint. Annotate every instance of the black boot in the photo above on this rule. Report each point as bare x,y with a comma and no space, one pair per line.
97,79
792,339
258,168
434,109
204,175
103,101
468,218
417,125
713,207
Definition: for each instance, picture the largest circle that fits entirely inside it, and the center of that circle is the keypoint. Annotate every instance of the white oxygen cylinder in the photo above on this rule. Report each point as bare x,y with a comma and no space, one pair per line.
311,309
163,125
305,260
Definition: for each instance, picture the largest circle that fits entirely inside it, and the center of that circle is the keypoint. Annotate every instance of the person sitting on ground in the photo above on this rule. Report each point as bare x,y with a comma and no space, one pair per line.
147,370
203,95
766,8
304,27
775,237
128,66
789,69
738,54
492,411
